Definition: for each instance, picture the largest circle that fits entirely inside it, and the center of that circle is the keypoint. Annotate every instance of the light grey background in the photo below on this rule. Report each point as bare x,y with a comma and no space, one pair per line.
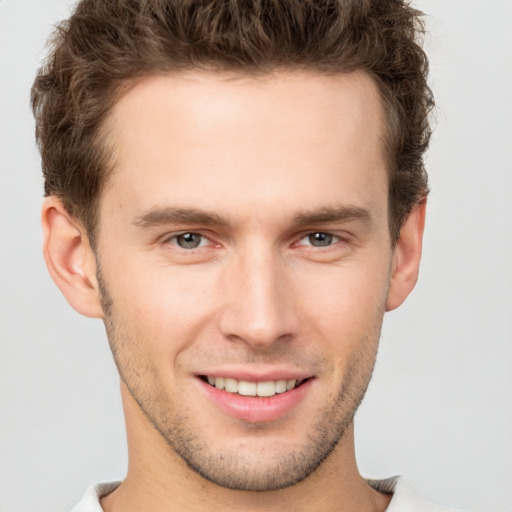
439,409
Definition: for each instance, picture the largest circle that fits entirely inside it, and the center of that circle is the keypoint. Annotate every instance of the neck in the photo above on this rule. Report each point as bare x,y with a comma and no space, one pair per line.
159,480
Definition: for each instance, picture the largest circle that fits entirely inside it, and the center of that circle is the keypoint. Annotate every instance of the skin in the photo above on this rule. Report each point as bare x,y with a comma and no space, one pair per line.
254,167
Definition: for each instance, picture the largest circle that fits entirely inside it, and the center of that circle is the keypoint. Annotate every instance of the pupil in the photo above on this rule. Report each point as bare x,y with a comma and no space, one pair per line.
320,239
188,240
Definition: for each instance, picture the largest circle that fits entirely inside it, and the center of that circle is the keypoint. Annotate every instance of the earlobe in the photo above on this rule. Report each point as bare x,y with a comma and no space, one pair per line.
70,259
407,256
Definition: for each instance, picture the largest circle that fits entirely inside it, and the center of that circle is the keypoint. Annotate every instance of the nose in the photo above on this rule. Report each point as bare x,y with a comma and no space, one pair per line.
259,309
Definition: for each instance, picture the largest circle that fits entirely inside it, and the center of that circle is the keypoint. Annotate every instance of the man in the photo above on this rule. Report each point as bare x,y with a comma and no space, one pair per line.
237,189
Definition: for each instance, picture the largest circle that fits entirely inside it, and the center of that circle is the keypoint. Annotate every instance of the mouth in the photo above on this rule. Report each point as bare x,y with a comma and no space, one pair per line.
250,388
256,400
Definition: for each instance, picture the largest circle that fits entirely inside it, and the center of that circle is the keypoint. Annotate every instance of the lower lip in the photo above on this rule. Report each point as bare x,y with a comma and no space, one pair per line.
257,409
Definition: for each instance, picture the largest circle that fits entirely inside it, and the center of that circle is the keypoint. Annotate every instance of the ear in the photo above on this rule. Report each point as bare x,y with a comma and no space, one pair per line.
70,259
406,257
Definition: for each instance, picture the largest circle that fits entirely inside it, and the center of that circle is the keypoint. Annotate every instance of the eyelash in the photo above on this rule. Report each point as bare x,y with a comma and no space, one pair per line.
173,239
334,239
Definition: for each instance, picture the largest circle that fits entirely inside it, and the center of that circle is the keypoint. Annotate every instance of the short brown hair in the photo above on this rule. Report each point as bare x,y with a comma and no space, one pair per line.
106,44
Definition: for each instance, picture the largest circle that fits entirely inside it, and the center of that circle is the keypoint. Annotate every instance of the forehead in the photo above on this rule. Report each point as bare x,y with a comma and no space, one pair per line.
257,140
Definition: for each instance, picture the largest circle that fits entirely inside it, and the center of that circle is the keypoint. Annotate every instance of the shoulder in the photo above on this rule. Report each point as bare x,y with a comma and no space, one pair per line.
405,497
91,499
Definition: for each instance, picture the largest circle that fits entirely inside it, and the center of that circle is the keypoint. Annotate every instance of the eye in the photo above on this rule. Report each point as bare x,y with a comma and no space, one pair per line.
320,239
189,240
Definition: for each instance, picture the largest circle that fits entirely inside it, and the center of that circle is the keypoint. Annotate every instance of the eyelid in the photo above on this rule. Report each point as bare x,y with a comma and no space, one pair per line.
172,236
340,237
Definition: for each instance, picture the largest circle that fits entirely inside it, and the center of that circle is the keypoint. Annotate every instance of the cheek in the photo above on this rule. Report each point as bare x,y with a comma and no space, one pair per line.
161,302
344,304
171,307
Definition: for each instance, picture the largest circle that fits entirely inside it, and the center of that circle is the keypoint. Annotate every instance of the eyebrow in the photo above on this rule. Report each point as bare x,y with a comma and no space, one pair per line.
171,215
334,214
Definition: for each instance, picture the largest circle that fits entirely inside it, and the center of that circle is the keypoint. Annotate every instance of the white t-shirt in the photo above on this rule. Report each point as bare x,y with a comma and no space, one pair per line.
405,498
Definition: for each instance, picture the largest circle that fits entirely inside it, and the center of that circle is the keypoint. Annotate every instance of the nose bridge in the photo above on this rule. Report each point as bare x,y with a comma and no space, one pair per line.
260,306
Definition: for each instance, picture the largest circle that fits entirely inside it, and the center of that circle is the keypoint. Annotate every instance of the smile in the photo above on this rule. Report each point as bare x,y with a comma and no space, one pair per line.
254,399
248,388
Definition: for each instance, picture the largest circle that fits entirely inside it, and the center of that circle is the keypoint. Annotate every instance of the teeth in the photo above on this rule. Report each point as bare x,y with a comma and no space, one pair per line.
231,385
247,388
266,388
280,386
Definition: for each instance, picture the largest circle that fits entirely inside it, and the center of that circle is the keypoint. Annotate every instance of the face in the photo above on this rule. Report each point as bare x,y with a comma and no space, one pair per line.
245,261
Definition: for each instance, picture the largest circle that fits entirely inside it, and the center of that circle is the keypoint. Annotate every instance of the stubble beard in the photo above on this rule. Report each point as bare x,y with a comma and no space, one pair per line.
236,469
